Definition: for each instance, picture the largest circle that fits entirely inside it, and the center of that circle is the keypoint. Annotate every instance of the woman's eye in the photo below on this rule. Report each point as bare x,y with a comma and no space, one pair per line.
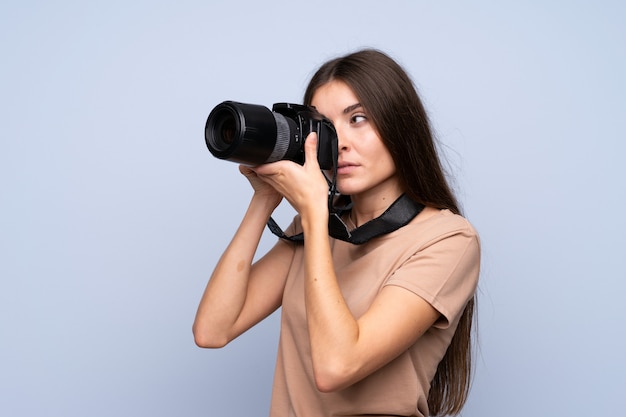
357,118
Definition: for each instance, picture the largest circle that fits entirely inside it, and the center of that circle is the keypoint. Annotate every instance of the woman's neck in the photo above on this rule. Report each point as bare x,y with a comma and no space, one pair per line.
368,206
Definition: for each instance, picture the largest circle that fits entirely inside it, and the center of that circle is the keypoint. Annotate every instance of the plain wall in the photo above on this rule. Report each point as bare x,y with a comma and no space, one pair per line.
113,213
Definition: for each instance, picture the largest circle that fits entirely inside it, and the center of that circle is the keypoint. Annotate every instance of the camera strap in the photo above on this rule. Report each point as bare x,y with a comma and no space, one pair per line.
400,213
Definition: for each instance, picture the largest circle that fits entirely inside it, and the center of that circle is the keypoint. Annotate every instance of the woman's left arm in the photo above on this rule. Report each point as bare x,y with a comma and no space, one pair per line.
344,349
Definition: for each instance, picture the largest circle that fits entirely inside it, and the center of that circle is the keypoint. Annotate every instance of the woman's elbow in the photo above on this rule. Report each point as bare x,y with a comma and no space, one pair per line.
206,339
333,378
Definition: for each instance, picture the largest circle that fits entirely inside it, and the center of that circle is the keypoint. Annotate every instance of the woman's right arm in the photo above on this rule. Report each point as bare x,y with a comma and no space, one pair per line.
239,293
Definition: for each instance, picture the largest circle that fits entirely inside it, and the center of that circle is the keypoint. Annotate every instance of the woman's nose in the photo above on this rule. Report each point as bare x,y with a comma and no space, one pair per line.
342,142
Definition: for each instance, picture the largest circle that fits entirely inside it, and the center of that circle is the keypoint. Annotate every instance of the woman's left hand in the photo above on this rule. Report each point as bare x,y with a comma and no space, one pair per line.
304,186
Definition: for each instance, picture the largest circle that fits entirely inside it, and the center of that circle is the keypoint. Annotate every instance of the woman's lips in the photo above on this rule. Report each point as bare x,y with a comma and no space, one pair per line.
344,168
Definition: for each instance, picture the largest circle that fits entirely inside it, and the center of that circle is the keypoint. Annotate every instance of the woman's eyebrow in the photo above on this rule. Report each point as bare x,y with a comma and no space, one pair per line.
351,108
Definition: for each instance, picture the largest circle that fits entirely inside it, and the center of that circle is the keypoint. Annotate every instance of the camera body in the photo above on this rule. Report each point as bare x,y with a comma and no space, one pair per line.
252,134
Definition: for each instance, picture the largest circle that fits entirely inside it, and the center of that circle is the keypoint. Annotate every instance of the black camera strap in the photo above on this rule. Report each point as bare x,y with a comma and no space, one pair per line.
400,213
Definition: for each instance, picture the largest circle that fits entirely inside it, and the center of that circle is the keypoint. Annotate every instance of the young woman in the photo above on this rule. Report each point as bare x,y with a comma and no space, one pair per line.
378,328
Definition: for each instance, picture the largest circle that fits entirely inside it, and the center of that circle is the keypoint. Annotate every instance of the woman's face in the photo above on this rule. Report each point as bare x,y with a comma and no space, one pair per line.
364,163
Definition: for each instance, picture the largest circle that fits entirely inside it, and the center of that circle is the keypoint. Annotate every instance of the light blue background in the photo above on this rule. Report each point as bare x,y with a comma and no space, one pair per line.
113,212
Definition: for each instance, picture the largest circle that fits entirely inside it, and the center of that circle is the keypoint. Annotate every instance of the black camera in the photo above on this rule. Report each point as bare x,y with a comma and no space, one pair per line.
251,134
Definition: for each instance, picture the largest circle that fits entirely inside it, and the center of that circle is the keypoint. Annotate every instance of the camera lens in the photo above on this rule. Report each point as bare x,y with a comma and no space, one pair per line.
228,130
223,132
249,134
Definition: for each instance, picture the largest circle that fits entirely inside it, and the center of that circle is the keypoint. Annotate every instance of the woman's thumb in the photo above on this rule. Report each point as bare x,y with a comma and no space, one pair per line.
310,147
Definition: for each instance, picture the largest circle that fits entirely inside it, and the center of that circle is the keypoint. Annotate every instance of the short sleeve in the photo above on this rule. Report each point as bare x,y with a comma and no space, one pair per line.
444,271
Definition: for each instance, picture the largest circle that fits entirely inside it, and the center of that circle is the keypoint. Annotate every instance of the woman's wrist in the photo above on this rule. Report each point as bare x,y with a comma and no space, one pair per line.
314,218
265,203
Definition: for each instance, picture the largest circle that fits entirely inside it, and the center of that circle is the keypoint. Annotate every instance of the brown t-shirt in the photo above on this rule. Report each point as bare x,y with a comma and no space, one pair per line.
438,259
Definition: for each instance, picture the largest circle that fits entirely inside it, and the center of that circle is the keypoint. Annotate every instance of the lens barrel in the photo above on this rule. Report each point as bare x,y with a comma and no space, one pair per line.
250,134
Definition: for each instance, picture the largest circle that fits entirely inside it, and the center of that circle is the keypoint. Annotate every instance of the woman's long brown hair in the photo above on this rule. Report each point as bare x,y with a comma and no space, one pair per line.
388,95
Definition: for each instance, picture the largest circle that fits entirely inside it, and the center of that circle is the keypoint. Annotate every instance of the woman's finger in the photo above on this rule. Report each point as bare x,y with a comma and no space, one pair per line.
310,149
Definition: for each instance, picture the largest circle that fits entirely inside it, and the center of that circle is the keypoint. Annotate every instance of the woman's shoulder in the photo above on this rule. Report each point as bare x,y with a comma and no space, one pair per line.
434,225
430,225
446,218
